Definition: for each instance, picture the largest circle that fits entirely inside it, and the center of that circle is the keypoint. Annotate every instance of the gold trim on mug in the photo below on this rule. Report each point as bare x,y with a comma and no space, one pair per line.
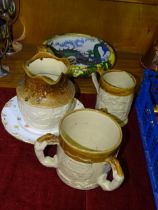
82,153
117,90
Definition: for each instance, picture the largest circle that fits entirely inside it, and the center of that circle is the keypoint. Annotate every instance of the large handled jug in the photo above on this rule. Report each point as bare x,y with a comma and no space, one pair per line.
46,93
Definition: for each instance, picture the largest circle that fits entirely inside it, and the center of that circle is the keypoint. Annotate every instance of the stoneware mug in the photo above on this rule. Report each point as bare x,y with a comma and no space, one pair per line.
115,92
86,149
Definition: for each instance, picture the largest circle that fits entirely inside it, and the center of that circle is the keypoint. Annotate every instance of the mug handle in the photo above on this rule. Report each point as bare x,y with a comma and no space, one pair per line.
40,145
95,81
96,84
118,176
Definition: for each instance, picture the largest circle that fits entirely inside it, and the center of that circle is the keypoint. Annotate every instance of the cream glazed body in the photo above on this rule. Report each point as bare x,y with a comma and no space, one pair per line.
46,94
87,145
115,93
43,118
78,175
118,106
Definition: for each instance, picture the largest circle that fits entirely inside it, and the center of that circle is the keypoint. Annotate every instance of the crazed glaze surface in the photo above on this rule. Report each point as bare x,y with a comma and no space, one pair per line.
77,174
81,161
115,94
119,106
46,83
46,93
42,118
36,92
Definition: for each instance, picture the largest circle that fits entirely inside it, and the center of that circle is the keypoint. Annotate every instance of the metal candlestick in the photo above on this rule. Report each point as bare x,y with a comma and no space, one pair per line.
4,37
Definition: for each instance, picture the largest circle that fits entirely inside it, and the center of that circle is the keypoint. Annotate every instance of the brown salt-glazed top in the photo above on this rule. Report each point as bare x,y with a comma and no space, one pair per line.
40,91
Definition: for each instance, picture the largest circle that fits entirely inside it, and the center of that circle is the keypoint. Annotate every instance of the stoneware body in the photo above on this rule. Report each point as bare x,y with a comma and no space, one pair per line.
86,151
115,94
46,93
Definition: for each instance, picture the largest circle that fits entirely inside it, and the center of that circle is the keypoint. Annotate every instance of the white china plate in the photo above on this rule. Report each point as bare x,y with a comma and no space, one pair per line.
15,125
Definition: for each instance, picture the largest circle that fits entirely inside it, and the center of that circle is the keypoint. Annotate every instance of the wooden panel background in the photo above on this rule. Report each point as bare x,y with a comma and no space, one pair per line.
128,27
152,2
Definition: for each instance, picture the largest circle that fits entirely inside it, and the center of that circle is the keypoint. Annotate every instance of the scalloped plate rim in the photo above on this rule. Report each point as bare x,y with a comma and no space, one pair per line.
11,116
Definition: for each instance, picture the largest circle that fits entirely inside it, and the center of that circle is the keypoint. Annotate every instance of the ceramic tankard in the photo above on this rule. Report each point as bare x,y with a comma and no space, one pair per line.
115,93
86,150
46,93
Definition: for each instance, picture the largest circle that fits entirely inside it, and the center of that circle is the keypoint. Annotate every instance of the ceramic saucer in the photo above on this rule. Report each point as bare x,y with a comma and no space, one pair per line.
15,125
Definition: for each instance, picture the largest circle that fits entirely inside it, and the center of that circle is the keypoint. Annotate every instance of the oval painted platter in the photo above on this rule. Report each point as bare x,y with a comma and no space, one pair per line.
87,54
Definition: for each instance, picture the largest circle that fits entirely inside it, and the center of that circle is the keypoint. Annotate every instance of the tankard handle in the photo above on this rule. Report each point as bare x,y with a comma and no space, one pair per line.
40,145
96,84
118,176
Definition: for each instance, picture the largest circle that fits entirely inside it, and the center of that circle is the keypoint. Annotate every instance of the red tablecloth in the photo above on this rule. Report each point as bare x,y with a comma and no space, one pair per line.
27,185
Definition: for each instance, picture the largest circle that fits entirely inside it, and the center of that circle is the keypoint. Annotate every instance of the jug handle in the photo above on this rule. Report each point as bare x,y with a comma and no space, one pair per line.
40,144
118,176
